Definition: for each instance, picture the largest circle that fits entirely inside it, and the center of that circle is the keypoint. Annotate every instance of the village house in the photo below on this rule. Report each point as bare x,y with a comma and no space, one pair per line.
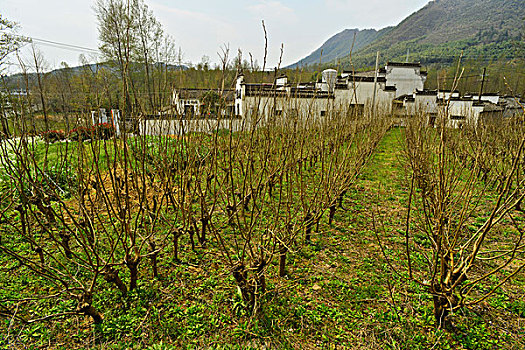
281,98
202,103
406,78
347,92
101,116
460,110
358,91
397,89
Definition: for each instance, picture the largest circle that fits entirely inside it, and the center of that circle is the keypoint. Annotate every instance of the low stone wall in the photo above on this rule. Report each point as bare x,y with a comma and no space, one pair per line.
157,127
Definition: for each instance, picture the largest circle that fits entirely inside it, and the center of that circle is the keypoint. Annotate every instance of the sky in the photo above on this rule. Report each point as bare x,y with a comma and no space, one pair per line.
202,27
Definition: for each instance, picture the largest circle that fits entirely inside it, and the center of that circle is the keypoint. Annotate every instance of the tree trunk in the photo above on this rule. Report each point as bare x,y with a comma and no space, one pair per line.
308,227
282,260
241,277
84,307
332,214
204,222
443,304
65,237
260,278
440,311
40,253
192,241
176,236
341,198
153,259
111,275
132,264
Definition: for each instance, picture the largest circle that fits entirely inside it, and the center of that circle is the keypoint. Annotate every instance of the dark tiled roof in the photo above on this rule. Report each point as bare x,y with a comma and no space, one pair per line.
426,92
197,94
366,79
404,64
404,98
269,90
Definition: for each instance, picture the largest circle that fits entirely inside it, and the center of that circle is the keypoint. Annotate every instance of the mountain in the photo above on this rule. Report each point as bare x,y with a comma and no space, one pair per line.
440,31
18,80
340,45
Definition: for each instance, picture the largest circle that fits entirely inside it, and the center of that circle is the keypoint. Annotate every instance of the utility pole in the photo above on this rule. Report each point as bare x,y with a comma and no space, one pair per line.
375,83
408,54
482,83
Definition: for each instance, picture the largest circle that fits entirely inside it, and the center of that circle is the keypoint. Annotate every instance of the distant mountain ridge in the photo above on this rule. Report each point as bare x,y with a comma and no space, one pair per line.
441,30
18,79
340,45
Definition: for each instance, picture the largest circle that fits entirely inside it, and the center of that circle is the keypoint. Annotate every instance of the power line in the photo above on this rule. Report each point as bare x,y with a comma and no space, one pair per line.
57,44
65,46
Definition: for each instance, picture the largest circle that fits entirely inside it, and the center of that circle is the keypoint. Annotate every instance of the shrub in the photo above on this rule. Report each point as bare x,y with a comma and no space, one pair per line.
104,131
81,133
53,135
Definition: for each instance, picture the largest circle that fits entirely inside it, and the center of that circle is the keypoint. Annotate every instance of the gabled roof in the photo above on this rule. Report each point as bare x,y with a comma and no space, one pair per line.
357,78
404,64
197,94
426,92
271,90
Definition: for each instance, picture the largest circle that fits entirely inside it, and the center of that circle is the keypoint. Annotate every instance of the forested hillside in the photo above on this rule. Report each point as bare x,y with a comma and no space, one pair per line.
484,30
340,45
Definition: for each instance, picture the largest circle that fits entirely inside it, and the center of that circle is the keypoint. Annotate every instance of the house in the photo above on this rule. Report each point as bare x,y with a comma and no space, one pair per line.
193,110
421,102
202,103
344,93
262,100
102,117
512,105
355,90
405,77
447,94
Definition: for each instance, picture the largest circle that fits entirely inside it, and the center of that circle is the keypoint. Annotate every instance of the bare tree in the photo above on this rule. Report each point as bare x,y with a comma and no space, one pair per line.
455,177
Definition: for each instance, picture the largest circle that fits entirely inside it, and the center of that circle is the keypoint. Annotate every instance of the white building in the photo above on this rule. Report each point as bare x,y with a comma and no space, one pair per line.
262,101
359,91
189,103
407,78
102,117
342,93
459,111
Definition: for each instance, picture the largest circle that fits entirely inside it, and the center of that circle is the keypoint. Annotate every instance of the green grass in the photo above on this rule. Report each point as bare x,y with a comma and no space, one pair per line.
337,293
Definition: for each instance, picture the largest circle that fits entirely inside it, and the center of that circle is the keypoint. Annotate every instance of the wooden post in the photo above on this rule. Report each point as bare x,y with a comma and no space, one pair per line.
482,83
375,83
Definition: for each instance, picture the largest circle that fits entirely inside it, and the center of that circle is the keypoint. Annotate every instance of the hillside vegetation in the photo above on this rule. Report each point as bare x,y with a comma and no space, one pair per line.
437,34
340,45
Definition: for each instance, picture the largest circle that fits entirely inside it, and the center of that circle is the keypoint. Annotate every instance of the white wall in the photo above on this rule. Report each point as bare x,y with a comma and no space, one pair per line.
158,127
406,79
364,95
465,109
267,106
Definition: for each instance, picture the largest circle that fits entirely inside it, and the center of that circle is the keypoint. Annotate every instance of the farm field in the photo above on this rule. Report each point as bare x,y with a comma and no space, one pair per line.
162,189
347,288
